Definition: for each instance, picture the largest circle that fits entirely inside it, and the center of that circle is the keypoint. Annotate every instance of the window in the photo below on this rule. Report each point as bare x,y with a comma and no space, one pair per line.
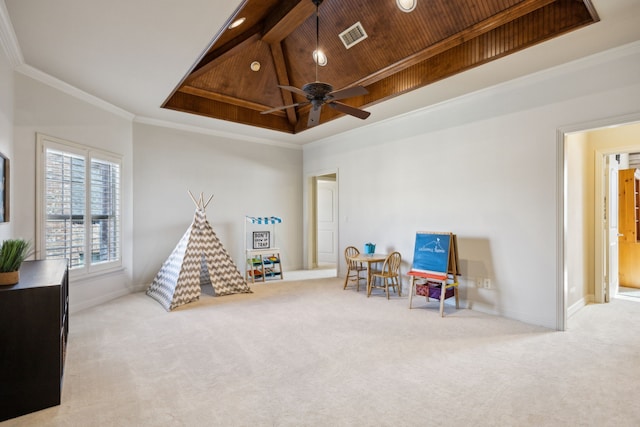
78,205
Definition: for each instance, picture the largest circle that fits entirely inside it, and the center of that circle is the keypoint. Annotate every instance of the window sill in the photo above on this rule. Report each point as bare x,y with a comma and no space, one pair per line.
80,276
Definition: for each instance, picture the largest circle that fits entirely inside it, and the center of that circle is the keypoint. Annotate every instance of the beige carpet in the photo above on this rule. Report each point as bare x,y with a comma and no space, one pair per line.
307,353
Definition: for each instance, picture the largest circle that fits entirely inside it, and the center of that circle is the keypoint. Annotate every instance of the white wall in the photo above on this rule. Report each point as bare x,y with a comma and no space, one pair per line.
41,108
245,178
484,166
6,127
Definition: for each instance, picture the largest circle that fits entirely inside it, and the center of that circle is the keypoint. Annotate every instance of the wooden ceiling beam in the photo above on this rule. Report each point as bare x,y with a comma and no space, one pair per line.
226,99
286,18
283,79
222,111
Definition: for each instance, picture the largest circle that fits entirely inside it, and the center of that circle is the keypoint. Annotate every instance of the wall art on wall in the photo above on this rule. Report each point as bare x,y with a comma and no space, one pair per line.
4,188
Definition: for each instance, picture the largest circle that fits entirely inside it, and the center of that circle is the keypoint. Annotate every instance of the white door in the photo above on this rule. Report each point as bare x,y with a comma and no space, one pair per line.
327,236
612,225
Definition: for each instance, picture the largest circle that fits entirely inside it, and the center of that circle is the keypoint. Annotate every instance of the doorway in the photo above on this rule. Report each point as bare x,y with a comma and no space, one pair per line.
321,231
621,250
589,211
613,249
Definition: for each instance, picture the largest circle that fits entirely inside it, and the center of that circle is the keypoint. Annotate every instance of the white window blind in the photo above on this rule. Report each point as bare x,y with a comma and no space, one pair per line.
79,216
64,205
105,211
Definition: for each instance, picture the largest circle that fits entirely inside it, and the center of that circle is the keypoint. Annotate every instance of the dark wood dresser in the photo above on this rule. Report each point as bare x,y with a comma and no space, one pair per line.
34,325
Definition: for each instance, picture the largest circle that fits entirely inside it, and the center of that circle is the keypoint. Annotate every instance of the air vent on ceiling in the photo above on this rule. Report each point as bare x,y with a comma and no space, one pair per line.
353,35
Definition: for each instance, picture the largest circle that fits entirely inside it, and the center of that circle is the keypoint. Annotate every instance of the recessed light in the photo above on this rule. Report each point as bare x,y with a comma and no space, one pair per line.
255,66
237,23
406,5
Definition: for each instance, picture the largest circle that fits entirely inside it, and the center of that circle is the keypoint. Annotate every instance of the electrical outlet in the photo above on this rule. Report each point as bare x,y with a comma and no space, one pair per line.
486,283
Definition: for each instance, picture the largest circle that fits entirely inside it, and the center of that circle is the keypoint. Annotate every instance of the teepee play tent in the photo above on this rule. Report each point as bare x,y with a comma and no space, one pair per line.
198,259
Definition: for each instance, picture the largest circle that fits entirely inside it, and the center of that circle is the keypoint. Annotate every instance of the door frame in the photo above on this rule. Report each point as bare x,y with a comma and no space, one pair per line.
561,181
601,227
612,258
310,223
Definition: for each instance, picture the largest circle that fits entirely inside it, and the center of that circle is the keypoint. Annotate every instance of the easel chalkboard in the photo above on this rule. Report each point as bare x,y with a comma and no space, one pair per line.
435,261
436,253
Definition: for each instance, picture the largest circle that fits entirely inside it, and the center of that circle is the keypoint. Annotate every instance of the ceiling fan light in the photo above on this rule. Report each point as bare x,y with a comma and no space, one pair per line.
406,5
320,58
237,23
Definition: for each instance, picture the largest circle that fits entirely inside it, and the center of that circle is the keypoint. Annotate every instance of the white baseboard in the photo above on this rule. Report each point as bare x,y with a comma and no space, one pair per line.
74,307
575,307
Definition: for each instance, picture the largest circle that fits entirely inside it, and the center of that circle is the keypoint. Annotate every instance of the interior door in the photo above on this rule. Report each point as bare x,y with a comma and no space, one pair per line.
629,247
612,225
327,236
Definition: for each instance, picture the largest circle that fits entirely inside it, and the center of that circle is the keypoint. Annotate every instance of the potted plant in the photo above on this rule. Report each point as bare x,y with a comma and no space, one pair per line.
12,253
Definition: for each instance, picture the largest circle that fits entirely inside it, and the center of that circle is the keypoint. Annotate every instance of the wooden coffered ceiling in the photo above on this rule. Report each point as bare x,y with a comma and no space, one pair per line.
402,51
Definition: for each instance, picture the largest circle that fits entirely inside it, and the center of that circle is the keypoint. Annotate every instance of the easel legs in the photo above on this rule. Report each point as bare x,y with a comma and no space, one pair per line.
443,293
411,290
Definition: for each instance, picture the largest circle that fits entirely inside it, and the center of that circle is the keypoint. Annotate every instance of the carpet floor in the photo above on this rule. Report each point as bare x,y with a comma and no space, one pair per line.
308,353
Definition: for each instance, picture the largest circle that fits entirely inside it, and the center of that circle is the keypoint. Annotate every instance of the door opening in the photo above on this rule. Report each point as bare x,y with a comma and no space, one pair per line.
622,250
588,208
321,225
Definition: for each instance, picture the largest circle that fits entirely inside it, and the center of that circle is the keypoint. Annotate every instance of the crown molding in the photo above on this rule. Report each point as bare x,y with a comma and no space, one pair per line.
8,38
207,131
55,83
9,42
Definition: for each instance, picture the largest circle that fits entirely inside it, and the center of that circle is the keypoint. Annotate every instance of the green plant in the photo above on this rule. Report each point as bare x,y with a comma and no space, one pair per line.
12,253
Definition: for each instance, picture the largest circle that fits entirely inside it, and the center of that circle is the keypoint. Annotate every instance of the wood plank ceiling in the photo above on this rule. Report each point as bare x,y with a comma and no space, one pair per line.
402,51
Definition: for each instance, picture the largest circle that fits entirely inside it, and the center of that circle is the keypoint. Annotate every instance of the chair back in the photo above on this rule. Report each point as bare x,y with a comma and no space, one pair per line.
351,251
392,263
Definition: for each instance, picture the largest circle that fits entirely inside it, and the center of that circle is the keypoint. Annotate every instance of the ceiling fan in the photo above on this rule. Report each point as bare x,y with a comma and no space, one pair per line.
318,93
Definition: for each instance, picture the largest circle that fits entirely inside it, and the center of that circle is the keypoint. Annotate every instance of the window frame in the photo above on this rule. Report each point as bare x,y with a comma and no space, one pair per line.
44,142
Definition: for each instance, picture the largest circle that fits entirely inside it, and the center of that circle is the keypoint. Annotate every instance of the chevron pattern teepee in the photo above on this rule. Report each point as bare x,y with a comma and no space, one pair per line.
198,259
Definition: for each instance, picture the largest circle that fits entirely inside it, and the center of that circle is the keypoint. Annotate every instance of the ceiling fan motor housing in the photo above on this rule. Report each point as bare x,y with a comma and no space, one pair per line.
317,90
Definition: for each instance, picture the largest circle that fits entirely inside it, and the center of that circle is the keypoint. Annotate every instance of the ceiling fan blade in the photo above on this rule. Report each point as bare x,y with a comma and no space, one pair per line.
348,92
284,107
294,90
356,112
314,116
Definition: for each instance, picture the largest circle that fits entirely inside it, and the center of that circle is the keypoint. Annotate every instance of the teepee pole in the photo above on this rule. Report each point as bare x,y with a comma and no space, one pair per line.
200,204
193,198
208,201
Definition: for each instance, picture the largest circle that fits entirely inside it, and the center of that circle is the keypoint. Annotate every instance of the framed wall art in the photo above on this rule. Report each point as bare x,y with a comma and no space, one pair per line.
4,188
